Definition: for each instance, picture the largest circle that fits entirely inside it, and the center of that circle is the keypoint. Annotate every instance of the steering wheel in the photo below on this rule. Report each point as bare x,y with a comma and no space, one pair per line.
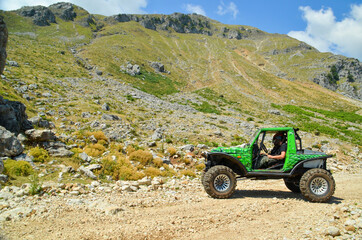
262,146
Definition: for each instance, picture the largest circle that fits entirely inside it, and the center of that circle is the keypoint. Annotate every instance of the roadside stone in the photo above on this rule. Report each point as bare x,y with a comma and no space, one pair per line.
112,210
333,231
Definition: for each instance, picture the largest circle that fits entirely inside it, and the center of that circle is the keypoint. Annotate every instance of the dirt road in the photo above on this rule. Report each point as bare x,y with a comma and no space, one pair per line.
258,210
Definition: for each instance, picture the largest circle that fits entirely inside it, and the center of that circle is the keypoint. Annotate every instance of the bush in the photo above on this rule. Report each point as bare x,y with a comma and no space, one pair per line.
39,154
200,166
169,172
17,168
172,151
127,173
130,150
152,172
157,162
143,157
94,150
99,135
188,173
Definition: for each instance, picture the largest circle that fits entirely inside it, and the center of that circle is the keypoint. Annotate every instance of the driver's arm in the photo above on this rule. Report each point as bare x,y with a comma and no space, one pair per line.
278,157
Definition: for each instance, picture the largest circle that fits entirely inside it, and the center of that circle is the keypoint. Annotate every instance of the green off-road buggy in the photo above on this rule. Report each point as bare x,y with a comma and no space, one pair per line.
303,170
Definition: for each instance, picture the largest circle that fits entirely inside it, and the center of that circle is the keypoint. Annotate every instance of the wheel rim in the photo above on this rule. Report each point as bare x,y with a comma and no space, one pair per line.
222,183
319,186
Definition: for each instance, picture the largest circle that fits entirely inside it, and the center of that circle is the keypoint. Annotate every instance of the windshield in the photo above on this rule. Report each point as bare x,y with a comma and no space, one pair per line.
253,137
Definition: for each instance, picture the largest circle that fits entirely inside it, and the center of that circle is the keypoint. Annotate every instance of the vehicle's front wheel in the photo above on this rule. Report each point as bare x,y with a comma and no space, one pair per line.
317,185
219,182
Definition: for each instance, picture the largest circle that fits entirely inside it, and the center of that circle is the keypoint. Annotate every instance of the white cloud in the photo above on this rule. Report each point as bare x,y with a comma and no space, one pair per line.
195,9
326,34
223,9
104,7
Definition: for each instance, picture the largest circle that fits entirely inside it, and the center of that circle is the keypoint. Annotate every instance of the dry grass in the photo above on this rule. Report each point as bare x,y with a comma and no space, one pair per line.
141,156
94,150
152,172
172,151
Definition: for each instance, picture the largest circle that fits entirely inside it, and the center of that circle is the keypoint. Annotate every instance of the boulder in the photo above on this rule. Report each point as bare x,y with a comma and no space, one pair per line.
87,172
40,135
3,42
110,117
159,67
105,107
132,70
10,146
13,116
60,152
39,122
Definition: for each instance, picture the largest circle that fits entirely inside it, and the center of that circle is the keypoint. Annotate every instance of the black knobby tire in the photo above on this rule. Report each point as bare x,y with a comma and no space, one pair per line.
219,182
317,185
292,184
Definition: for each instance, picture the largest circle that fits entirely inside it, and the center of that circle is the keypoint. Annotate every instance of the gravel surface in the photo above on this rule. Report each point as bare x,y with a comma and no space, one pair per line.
180,209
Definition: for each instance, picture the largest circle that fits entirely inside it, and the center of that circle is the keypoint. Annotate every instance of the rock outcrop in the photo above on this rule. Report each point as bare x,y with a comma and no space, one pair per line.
40,15
349,72
13,116
181,23
3,42
63,10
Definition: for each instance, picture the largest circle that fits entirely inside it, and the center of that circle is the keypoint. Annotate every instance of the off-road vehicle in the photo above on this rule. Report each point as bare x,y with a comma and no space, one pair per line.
303,170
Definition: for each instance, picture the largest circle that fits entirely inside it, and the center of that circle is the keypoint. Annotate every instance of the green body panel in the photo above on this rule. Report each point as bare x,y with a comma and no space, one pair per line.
292,157
244,155
295,158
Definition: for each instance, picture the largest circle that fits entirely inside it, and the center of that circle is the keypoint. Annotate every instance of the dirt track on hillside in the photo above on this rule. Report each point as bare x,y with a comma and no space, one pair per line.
258,210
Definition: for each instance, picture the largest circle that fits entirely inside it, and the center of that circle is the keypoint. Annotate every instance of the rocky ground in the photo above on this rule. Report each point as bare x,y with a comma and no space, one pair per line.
180,209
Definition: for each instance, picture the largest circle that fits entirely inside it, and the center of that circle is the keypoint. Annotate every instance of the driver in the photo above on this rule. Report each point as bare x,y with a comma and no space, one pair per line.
277,154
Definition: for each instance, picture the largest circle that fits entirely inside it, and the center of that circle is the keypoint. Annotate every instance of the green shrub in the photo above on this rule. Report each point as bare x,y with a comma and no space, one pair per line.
39,154
35,187
17,168
143,157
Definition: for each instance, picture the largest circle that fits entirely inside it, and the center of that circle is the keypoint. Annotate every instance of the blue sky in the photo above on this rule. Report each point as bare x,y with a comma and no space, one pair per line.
328,25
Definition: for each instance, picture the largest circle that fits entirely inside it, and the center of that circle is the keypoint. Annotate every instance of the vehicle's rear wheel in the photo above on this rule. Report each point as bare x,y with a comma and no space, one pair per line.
317,185
292,184
219,182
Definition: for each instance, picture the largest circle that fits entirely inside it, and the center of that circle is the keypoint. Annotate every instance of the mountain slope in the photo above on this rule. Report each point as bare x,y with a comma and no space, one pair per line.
217,78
